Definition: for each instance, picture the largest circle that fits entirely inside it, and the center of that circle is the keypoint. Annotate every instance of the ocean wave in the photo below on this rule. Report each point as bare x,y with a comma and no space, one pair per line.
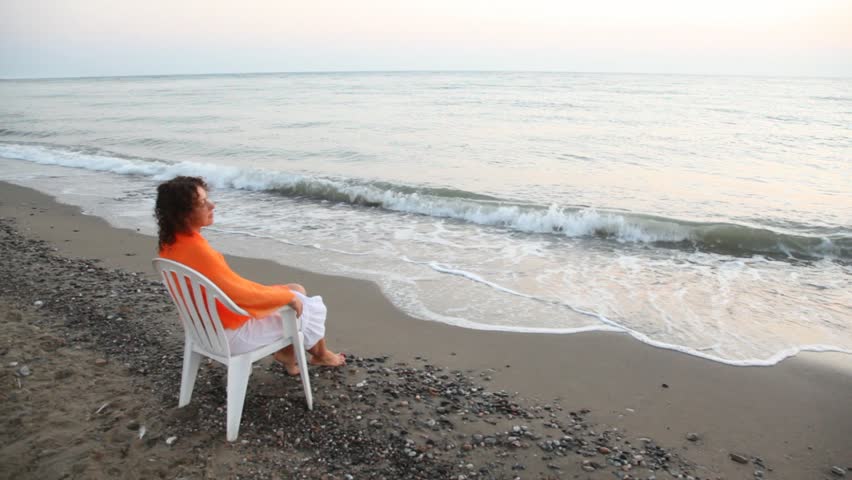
8,132
725,238
605,325
772,359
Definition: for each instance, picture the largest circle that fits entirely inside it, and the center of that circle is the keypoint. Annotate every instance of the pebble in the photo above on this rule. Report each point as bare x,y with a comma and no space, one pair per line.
38,303
739,458
171,440
100,362
692,437
24,371
839,471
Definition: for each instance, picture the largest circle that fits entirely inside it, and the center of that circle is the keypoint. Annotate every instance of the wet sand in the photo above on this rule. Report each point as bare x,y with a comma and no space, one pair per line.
796,416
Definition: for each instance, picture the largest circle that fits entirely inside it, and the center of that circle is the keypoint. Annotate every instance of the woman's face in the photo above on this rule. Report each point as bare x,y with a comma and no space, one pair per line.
202,212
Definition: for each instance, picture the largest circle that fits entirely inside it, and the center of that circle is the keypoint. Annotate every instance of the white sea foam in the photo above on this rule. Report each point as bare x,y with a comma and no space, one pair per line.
69,158
478,279
607,325
555,219
279,239
228,177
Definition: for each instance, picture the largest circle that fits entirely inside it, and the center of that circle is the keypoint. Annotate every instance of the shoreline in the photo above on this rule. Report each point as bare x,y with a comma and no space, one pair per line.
720,341
794,415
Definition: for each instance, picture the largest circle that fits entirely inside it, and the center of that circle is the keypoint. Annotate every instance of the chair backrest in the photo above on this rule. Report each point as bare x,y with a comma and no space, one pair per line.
195,297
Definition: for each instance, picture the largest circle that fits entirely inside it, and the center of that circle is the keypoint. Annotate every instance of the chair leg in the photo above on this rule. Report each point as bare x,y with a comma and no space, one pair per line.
301,359
191,362
239,371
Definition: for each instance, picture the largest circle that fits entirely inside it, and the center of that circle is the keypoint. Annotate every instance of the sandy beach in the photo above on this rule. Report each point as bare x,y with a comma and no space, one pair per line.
82,310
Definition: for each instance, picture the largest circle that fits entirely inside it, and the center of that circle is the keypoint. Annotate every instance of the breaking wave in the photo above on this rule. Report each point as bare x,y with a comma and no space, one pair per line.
726,238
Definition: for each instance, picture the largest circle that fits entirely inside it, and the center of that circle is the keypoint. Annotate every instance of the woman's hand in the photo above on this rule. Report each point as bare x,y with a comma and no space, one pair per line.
296,305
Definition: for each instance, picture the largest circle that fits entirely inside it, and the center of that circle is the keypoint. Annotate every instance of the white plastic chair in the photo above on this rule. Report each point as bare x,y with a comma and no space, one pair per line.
195,298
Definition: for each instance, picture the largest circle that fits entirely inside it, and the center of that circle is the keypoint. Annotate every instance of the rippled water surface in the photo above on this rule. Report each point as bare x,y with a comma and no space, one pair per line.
711,215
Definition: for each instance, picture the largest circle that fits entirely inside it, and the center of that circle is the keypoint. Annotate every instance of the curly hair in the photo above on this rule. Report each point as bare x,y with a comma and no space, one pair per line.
175,201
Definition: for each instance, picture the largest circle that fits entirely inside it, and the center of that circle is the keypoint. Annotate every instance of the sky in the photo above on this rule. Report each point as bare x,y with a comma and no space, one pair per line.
74,38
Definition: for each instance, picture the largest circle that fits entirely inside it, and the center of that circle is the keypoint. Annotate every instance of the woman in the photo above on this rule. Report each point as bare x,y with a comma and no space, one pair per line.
182,210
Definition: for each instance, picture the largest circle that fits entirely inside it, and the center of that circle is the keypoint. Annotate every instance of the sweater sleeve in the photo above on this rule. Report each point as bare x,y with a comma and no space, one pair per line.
257,299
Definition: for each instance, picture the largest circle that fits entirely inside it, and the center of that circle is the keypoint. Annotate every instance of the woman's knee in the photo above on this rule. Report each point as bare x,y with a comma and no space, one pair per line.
297,288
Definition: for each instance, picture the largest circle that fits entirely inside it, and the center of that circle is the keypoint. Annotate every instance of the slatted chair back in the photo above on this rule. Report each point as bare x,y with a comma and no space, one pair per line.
195,297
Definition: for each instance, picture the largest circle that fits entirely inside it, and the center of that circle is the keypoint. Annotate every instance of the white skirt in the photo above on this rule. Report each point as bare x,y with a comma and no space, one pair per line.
259,332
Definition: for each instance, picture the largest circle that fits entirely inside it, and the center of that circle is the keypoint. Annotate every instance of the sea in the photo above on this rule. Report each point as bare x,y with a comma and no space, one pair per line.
711,215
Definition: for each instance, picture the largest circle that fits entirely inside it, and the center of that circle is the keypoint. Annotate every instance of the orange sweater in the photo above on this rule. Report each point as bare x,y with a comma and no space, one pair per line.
192,250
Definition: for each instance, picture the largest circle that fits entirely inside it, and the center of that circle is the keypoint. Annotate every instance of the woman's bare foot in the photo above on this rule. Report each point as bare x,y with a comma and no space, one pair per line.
328,359
287,359
322,356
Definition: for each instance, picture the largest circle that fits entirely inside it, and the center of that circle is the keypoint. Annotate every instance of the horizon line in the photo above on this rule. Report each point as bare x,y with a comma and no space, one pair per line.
317,72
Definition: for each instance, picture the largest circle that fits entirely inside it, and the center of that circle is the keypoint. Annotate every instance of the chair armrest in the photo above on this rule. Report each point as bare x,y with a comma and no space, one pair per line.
292,324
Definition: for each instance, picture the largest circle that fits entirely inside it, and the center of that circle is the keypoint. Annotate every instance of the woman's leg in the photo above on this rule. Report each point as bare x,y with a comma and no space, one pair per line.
321,355
287,357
